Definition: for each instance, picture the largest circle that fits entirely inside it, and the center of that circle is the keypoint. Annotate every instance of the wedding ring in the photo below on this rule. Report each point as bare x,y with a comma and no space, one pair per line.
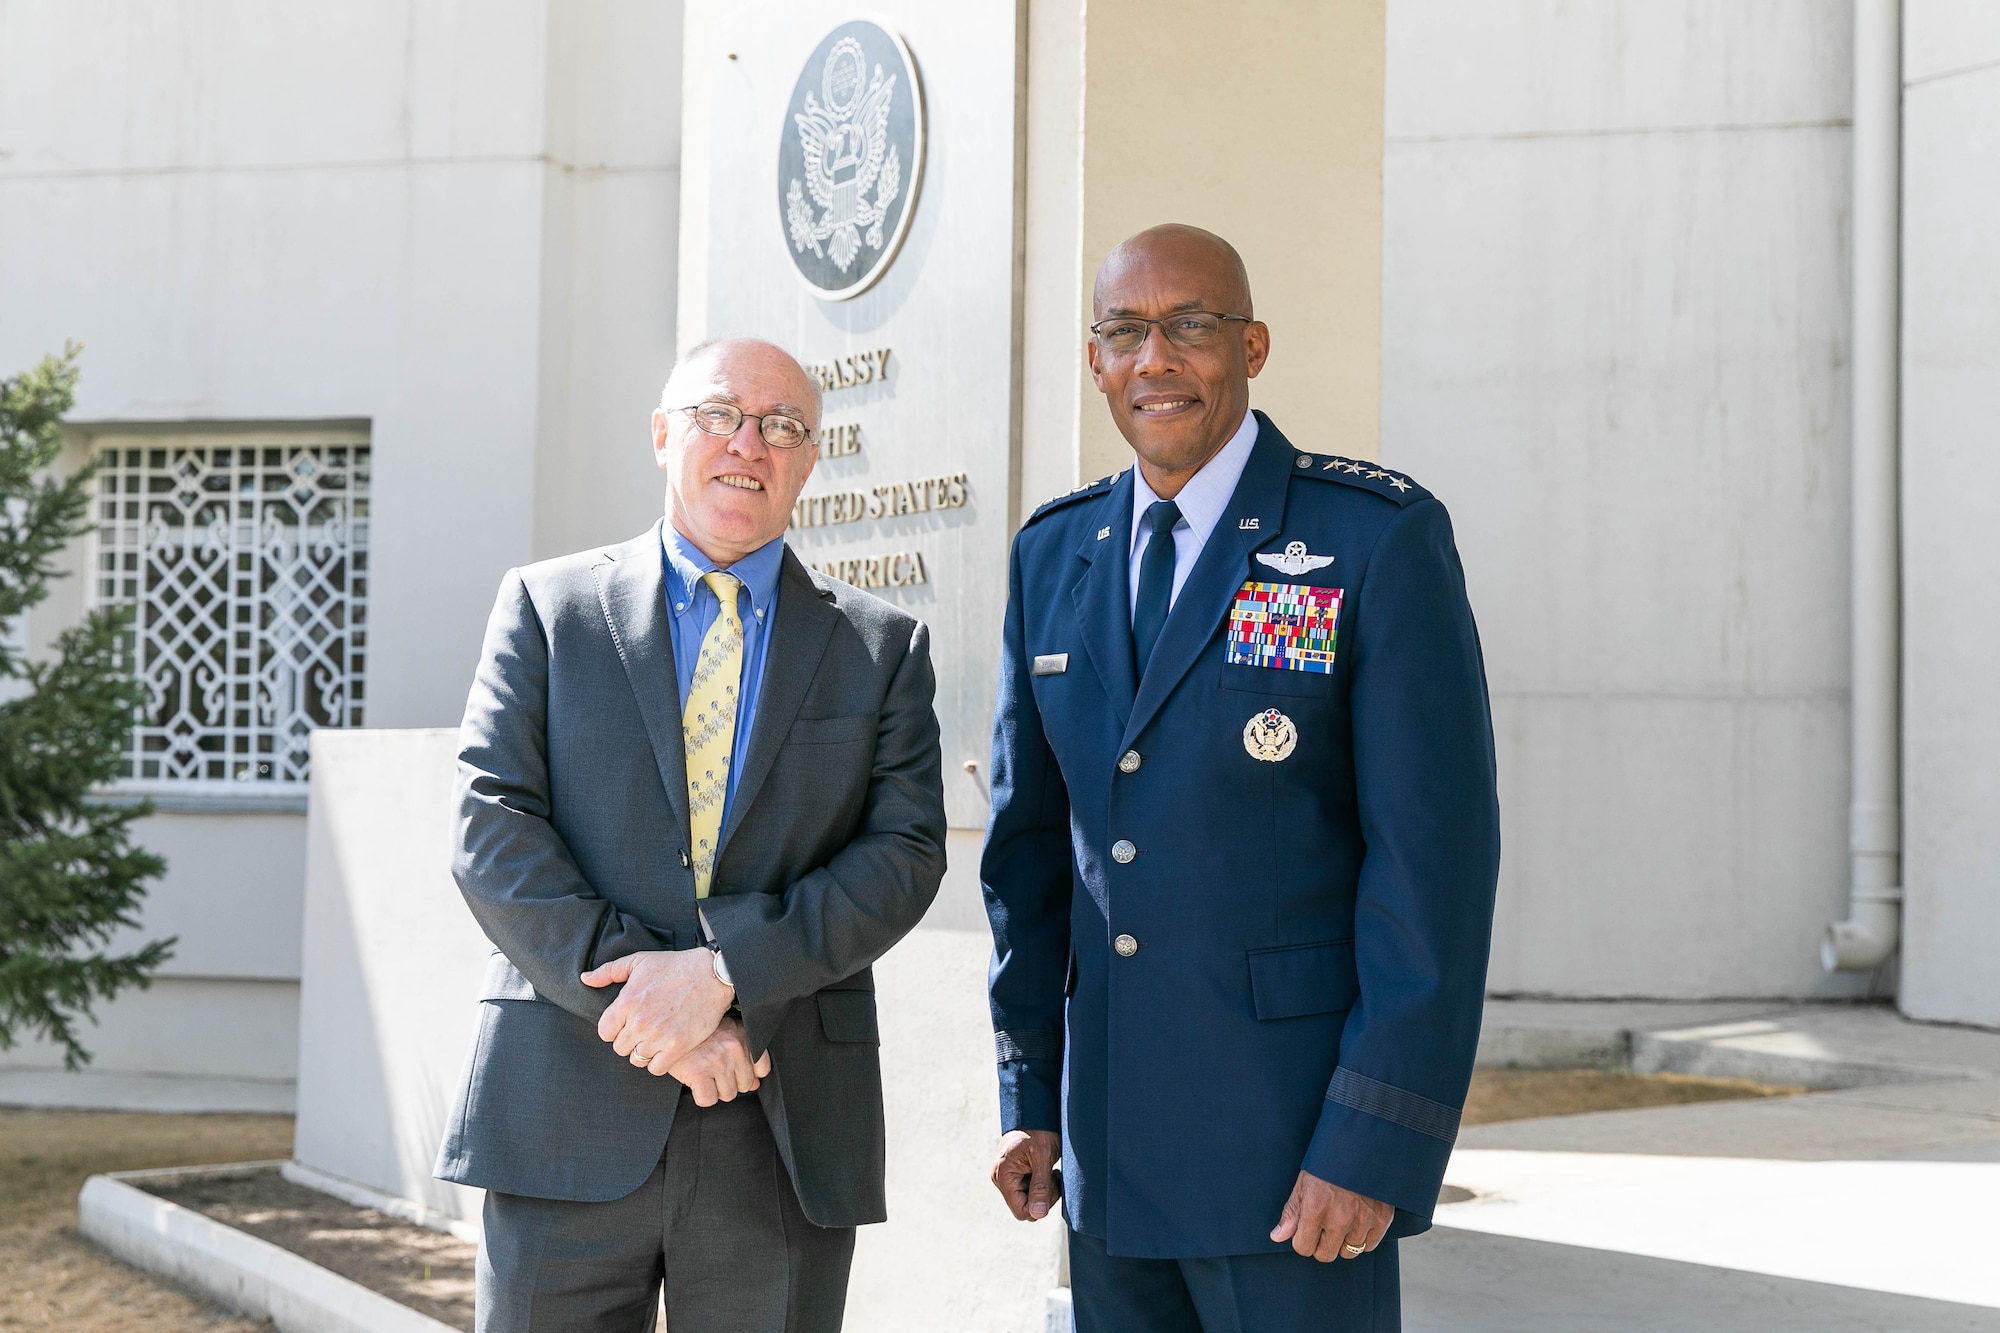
1353,1249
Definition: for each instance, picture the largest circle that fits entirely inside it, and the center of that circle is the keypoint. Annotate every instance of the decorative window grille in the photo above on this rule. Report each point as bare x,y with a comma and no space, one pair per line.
247,567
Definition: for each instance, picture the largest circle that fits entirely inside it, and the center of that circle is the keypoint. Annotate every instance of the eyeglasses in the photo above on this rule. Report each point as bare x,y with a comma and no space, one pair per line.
1186,328
780,432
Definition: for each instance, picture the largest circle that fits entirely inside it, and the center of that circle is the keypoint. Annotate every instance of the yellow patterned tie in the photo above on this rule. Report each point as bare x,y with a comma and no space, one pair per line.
708,726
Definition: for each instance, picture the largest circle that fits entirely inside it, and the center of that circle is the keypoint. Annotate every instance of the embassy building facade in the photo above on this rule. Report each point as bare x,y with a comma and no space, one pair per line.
376,300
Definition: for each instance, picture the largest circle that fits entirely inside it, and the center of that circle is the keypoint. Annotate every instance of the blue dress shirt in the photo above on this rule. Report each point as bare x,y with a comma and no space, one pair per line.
692,608
1202,499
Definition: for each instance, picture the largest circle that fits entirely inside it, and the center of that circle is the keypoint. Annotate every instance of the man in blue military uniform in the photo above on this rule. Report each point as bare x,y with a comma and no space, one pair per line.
1244,842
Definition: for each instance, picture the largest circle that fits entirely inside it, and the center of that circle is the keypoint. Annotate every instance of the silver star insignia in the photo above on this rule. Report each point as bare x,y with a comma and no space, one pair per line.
1377,474
1353,467
1399,483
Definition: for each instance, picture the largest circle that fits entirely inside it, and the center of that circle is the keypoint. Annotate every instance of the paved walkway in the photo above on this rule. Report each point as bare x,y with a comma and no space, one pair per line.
1464,1282
1873,1203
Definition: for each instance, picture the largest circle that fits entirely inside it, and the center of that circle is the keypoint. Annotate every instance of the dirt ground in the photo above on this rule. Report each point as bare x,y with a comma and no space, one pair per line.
427,1270
52,1279
1525,1094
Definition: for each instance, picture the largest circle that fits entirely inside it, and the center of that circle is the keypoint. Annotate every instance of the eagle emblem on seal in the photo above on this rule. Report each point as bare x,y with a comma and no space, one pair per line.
1270,736
852,172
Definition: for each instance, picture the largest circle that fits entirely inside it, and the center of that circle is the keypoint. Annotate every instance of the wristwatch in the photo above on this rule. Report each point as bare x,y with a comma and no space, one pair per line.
721,967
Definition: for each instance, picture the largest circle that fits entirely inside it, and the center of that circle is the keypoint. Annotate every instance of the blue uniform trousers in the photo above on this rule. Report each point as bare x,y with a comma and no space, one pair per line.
1280,1292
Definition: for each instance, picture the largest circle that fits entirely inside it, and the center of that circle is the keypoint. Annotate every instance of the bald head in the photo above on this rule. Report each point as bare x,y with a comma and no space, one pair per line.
753,356
1198,258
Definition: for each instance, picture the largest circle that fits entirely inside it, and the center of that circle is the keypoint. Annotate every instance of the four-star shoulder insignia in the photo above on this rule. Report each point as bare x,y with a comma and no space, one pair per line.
1098,487
1364,476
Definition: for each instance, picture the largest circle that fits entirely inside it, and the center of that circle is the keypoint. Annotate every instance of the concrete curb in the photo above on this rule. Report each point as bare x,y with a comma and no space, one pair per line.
1760,1049
1524,1047
229,1266
1722,1053
362,1196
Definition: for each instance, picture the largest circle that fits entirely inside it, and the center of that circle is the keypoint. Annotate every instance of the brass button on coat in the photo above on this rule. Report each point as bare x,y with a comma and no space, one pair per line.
1125,945
1128,762
1122,852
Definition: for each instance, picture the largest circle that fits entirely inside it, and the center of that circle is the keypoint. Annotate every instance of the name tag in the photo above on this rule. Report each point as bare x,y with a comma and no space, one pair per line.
1285,626
1050,664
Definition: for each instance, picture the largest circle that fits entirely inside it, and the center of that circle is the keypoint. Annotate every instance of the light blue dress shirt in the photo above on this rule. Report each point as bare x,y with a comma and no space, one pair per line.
1202,501
692,608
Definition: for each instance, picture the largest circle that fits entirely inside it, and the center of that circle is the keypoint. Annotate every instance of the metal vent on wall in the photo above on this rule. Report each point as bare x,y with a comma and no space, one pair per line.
248,569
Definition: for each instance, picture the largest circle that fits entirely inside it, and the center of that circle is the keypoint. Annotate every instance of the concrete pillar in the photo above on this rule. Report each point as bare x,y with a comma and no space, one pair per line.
1261,122
1951,510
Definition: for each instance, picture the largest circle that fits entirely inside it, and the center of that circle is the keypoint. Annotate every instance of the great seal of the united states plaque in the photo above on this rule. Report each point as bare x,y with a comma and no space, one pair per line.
850,158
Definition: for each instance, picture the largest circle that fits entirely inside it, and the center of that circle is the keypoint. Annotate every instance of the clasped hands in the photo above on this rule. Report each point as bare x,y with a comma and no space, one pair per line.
671,1018
1321,1220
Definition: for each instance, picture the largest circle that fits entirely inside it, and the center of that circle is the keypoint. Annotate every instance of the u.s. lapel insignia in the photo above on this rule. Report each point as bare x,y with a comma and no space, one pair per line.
1270,736
1294,561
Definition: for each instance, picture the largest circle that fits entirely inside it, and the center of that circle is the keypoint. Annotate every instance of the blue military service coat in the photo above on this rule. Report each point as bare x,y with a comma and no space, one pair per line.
1241,908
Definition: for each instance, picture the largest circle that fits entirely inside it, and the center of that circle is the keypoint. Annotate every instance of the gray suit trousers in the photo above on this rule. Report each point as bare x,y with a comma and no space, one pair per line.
717,1223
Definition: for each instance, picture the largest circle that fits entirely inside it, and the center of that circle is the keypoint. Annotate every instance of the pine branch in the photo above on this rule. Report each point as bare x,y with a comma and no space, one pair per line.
40,513
71,879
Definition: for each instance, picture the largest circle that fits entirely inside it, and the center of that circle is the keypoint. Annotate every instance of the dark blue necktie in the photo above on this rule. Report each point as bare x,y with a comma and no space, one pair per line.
1156,581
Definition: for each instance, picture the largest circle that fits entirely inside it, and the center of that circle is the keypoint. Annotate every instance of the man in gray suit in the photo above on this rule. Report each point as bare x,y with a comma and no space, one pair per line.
698,796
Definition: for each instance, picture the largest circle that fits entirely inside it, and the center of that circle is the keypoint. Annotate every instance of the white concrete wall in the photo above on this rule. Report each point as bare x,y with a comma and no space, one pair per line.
393,963
452,221
950,1256
1613,338
1951,510
610,255
218,1029
226,1004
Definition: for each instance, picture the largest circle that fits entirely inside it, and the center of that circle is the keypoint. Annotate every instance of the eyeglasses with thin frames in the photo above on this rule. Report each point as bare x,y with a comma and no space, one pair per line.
778,431
1184,328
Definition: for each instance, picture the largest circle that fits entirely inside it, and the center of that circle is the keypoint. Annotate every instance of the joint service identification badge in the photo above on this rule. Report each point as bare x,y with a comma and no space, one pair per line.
1288,626
1270,736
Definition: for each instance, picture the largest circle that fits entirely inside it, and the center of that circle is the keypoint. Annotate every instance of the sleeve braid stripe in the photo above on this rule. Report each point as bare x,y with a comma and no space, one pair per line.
1412,1112
1023,1046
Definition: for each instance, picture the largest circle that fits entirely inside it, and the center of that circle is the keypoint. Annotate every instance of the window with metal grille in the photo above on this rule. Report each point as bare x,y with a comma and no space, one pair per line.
246,563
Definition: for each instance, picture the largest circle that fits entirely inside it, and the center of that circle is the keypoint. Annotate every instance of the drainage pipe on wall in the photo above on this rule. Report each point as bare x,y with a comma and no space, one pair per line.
1867,938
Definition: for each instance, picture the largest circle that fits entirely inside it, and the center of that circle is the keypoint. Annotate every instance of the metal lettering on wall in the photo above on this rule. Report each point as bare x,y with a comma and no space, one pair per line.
897,497
849,372
892,499
907,317
898,569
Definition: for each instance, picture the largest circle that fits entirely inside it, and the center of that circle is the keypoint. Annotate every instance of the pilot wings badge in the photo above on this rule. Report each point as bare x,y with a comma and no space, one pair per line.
1294,561
845,142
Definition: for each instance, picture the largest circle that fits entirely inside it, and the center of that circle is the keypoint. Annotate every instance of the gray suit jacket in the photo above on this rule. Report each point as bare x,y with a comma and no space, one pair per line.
571,851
